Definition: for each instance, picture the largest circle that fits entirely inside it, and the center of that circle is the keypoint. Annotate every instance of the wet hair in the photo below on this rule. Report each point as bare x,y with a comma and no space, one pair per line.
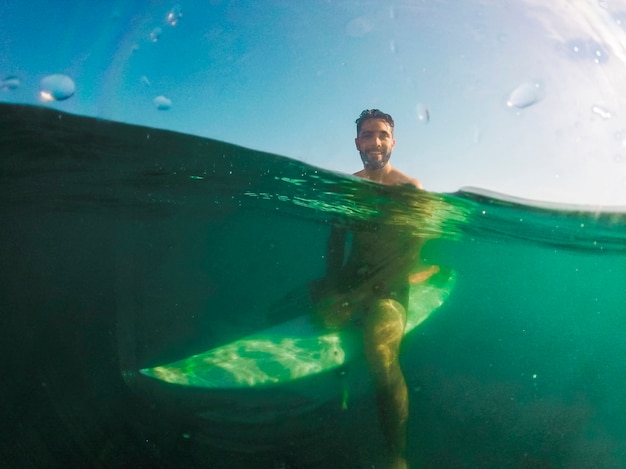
372,114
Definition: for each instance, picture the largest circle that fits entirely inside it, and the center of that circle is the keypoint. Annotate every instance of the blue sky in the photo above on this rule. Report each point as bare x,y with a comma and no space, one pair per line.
290,77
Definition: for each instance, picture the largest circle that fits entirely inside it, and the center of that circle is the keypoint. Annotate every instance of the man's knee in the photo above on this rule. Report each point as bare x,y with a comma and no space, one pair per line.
383,331
387,315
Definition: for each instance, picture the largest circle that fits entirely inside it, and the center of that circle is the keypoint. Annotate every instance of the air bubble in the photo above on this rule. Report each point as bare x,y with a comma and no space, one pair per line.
56,87
162,103
524,95
173,16
10,83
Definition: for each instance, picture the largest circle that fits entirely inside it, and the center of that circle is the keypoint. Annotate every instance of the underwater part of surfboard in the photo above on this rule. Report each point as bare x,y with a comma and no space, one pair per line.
292,350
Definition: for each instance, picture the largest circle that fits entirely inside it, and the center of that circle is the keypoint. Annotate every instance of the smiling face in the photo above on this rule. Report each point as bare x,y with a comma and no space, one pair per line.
375,143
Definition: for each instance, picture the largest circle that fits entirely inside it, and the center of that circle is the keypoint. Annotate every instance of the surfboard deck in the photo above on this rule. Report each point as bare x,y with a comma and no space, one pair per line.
292,350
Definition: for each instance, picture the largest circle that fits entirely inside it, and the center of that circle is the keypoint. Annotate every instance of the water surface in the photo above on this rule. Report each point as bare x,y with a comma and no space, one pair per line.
125,246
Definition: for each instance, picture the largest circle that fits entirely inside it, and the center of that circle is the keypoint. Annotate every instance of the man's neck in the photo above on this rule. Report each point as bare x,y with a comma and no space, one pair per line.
376,175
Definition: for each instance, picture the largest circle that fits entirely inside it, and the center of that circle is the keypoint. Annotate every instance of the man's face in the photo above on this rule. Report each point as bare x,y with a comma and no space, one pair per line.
375,143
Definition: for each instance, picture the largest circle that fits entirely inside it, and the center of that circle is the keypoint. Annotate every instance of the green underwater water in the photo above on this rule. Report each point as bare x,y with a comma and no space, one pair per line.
141,246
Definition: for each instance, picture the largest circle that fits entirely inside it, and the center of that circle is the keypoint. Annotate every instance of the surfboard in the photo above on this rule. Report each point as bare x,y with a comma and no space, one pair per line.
292,350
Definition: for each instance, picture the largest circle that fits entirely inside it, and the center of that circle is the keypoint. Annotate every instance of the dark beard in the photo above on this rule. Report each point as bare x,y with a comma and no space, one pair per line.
374,165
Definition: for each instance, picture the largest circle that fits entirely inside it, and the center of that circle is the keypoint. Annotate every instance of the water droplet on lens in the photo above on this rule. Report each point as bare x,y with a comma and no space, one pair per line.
56,87
155,34
10,83
601,112
162,103
599,58
423,115
173,16
358,27
524,95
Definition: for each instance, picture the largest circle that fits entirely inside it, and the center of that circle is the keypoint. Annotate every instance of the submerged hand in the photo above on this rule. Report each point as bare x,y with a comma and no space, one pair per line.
423,275
334,310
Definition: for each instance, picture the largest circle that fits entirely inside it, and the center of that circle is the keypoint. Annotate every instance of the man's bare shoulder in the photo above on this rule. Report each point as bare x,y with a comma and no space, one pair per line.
398,177
393,177
360,174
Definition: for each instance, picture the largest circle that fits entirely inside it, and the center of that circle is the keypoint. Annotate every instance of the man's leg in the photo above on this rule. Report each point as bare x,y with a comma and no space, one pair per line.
382,335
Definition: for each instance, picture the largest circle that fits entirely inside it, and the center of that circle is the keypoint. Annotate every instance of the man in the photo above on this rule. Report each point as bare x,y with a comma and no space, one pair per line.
375,142
369,287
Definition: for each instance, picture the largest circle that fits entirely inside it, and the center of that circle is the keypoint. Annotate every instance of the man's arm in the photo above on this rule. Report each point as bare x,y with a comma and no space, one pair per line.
335,252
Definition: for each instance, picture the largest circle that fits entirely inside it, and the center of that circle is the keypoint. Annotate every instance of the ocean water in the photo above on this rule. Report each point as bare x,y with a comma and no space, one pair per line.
124,247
